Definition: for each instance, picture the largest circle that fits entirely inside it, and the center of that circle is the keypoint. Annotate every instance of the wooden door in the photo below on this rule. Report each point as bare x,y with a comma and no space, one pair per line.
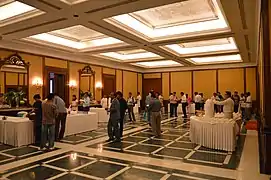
56,81
109,84
151,84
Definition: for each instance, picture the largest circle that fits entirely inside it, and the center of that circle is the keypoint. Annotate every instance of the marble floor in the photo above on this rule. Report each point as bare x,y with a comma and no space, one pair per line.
139,156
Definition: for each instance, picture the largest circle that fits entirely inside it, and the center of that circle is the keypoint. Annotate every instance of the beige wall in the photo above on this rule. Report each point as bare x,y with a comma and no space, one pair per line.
165,84
181,82
208,81
129,83
205,82
231,80
126,81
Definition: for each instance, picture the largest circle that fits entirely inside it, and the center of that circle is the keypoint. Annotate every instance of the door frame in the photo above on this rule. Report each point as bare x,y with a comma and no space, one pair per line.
63,71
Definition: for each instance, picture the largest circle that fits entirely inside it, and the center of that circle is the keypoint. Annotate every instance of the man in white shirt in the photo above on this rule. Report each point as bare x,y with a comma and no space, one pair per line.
228,105
138,99
184,104
197,101
104,102
173,100
131,104
248,106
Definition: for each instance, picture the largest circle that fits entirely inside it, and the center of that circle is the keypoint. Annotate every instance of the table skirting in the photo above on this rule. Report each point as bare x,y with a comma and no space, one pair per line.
78,123
214,133
103,116
16,131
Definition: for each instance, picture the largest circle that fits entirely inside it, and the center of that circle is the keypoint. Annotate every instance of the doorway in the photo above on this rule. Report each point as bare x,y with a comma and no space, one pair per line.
109,84
56,82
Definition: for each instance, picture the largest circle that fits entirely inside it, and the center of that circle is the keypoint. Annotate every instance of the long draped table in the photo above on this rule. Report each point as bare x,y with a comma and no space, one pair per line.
16,131
214,133
78,123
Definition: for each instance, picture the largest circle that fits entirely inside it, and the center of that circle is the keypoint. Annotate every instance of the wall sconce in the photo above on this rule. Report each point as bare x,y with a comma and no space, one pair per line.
72,85
98,85
37,83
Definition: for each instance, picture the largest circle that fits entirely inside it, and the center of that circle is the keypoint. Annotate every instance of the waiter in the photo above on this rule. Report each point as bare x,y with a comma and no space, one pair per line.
228,105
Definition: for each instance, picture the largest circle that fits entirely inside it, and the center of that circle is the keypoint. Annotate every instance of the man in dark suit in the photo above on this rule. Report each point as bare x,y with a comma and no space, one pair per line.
123,107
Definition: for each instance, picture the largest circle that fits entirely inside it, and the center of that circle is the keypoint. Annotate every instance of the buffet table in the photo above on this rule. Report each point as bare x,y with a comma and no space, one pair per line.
103,116
214,133
190,109
16,131
78,123
13,111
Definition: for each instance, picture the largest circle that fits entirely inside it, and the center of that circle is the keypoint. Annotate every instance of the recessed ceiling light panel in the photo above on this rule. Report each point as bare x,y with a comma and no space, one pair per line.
217,59
216,45
186,18
157,64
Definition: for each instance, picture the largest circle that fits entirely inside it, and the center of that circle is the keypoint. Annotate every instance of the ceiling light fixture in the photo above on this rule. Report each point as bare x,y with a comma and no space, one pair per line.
119,56
150,64
208,46
217,59
13,9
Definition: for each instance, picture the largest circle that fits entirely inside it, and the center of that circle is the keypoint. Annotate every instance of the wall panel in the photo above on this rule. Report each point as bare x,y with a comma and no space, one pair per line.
152,75
231,80
181,82
2,85
251,82
74,76
139,83
129,83
55,63
98,78
35,71
204,82
108,71
165,84
118,80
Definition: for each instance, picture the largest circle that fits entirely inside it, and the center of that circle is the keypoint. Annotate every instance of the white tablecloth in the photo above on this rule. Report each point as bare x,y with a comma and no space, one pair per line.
135,108
190,109
16,131
214,133
78,123
102,114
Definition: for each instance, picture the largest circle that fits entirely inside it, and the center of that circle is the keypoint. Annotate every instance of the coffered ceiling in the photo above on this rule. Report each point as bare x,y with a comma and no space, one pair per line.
140,35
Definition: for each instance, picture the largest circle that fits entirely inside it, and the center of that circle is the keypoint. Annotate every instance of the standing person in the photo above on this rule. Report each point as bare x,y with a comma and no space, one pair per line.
74,103
49,114
243,105
189,101
236,99
147,109
184,104
214,97
104,102
37,106
86,102
161,99
155,108
123,107
248,106
219,98
202,101
173,100
61,118
114,119
228,105
131,104
197,100
138,101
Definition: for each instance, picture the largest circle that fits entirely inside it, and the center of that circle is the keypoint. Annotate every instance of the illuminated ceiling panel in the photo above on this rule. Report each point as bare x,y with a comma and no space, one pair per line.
77,37
186,18
217,59
71,2
157,64
129,55
216,45
12,11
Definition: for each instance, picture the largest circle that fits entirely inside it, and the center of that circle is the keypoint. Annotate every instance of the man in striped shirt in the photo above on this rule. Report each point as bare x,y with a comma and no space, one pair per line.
49,114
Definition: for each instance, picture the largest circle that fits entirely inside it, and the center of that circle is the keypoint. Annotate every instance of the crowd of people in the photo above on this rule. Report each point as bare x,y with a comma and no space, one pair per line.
227,104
